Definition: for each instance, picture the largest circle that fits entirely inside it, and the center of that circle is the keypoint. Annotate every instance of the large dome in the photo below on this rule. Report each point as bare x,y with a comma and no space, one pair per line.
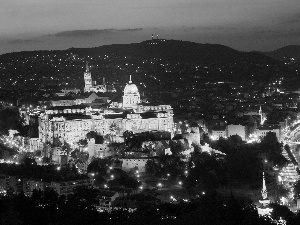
131,89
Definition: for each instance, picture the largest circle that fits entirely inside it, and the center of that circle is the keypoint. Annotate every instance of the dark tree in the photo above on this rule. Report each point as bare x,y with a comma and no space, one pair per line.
243,166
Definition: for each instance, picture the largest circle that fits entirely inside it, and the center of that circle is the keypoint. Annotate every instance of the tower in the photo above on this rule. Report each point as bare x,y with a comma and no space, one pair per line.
264,208
131,95
88,83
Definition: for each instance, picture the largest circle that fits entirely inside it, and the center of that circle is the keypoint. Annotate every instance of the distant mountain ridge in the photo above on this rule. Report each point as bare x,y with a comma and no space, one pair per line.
287,51
153,64
181,50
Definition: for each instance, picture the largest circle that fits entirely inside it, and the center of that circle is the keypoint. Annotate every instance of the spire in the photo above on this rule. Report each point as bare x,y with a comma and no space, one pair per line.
86,66
130,82
264,191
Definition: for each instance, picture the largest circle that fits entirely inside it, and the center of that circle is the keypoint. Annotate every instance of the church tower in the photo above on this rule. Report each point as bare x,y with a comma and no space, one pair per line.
87,79
264,208
131,97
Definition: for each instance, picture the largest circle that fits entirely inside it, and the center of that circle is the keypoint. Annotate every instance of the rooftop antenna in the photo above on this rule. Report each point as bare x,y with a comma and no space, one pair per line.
152,37
157,37
130,79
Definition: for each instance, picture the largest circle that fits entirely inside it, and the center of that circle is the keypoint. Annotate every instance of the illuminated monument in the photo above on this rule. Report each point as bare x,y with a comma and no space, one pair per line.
264,208
131,97
72,123
87,79
90,85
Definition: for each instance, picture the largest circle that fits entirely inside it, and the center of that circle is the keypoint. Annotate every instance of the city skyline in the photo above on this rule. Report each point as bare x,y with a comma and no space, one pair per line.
257,25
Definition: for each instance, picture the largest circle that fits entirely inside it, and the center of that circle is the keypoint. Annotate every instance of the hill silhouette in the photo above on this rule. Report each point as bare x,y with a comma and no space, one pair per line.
291,51
154,65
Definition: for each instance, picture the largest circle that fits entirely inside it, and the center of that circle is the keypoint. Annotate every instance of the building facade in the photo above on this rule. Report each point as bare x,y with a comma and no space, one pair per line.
263,130
72,123
236,130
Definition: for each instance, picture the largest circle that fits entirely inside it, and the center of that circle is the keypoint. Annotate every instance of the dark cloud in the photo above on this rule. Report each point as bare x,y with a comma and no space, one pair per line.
131,30
88,33
23,41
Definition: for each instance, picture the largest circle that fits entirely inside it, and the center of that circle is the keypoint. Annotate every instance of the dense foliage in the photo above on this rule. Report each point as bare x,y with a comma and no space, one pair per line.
79,208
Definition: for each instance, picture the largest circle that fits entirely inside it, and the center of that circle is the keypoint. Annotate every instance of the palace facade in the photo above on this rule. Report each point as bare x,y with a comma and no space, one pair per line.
72,123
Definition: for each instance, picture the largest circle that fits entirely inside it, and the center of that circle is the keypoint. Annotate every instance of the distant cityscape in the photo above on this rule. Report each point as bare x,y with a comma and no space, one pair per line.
163,131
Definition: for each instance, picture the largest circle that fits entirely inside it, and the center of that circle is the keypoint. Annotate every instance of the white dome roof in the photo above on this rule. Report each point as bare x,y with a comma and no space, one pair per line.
131,89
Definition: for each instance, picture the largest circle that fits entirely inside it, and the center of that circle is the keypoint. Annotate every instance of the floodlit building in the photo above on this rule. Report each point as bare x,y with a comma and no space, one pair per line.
239,130
130,163
217,133
262,131
91,86
72,123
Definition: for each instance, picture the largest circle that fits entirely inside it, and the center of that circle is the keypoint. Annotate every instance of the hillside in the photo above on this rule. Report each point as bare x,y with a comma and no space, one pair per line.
291,51
153,66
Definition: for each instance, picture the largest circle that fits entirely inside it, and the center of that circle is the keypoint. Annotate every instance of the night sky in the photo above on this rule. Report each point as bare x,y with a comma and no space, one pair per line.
241,24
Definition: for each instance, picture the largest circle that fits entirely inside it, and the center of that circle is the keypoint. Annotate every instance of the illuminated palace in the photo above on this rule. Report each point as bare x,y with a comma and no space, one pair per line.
72,123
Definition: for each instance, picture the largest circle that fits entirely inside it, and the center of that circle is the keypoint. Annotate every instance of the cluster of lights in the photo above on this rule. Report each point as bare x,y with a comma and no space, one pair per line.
253,138
173,199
